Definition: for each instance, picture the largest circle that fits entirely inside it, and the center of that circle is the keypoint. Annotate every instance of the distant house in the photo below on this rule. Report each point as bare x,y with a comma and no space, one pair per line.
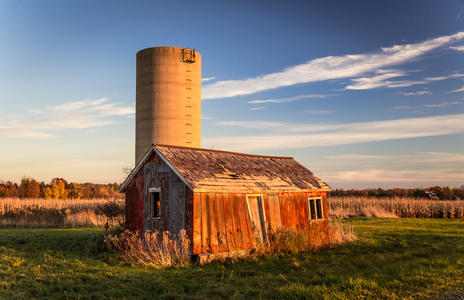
225,201
430,195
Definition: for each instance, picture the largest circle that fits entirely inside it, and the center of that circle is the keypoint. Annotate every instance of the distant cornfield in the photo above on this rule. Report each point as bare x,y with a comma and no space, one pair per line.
36,212
394,207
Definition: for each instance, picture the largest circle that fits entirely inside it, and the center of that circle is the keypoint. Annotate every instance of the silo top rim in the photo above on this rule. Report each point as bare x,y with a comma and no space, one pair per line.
166,47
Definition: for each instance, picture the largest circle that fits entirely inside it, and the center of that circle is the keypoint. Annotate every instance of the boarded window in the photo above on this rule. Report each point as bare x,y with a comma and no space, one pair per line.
315,209
155,205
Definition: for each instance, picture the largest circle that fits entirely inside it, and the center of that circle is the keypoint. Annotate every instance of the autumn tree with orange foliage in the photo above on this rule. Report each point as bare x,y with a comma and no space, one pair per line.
58,188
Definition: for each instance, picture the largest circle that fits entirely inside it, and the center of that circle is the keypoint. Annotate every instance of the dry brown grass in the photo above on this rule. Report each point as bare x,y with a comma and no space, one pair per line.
341,207
340,234
152,248
15,212
290,241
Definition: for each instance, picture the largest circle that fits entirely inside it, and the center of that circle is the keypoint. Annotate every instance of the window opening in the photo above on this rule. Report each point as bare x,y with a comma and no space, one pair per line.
155,205
319,208
257,218
315,209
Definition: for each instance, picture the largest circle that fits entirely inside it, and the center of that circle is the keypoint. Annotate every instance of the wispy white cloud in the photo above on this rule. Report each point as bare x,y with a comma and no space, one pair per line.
258,108
457,75
366,83
392,176
311,135
357,157
207,117
459,48
38,123
254,124
443,104
420,157
405,107
78,105
417,169
207,79
291,99
439,157
458,90
378,81
415,93
330,67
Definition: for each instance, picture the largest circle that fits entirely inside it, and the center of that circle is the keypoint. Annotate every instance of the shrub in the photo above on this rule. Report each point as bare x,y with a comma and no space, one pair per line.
111,208
290,241
152,248
287,240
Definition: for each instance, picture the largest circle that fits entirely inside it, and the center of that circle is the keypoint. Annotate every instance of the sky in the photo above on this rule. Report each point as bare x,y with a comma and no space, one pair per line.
365,94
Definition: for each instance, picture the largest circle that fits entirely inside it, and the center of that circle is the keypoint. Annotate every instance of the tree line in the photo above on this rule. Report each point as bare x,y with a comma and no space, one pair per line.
58,188
442,193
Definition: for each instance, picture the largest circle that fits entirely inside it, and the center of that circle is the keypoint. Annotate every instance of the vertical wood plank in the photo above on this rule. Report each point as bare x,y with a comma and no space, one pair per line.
182,206
171,202
235,214
205,230
304,209
288,214
271,220
197,228
282,209
294,211
229,223
243,215
296,207
278,212
213,222
249,226
325,205
222,236
275,200
267,209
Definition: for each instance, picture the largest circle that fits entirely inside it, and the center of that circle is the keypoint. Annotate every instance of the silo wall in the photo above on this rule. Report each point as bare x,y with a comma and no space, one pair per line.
168,98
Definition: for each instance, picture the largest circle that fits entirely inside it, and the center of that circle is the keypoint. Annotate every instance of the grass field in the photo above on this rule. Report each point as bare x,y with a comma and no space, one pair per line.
395,207
37,212
393,258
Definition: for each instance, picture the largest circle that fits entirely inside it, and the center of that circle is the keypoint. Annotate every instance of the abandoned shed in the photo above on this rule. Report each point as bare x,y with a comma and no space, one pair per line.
225,201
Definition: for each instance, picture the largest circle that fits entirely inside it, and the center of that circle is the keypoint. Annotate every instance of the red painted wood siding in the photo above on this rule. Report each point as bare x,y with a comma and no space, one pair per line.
221,221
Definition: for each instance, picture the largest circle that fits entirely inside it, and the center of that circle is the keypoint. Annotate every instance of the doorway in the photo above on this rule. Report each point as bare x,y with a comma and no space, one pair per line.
258,218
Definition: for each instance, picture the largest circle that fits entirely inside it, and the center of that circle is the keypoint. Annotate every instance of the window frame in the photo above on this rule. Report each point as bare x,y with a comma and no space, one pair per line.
316,209
151,203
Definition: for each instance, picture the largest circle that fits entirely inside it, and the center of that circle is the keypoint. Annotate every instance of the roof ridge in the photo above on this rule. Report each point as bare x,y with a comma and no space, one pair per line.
222,151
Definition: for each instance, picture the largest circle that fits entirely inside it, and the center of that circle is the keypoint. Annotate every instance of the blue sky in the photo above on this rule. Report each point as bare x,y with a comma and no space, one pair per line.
366,94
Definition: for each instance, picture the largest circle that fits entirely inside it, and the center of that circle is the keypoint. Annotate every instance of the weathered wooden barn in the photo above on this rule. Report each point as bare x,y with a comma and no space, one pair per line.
225,201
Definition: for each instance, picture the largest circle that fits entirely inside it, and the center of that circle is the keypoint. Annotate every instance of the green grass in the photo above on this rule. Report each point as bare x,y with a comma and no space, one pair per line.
393,258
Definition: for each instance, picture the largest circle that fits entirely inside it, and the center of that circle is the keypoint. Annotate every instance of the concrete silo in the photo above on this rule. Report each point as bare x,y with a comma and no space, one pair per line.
168,98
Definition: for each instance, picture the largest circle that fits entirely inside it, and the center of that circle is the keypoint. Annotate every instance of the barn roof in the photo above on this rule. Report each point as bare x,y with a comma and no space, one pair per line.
221,171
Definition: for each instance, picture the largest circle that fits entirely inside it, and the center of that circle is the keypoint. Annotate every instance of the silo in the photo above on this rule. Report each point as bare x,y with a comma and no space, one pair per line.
168,98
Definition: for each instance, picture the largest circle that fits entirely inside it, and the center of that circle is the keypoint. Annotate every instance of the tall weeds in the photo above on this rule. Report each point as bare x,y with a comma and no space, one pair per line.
395,207
36,212
157,249
290,241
